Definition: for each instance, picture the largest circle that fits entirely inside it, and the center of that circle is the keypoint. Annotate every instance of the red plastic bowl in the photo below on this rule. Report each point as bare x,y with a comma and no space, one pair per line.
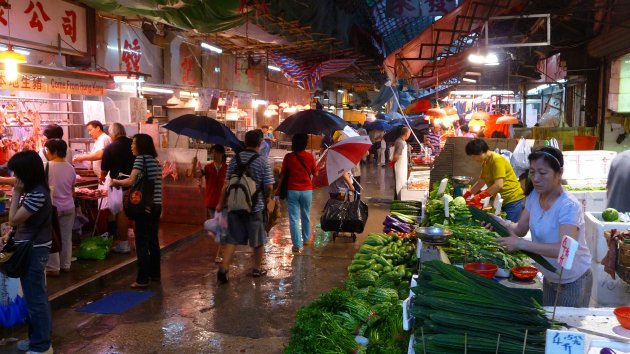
623,316
484,269
524,272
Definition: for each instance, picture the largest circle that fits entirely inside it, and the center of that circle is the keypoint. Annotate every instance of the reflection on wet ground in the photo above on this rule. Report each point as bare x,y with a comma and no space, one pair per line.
192,314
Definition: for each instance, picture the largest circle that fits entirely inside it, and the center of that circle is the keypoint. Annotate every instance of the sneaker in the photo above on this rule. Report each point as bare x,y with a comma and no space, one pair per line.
49,351
218,259
121,247
296,249
222,276
23,344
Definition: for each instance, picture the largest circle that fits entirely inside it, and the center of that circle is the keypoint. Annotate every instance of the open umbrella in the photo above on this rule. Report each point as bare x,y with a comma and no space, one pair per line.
311,121
340,158
378,125
204,128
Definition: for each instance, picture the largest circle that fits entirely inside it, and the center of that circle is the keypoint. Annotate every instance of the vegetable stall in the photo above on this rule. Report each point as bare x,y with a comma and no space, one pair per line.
393,301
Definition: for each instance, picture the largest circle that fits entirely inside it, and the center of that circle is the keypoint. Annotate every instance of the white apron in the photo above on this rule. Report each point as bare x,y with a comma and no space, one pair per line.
400,170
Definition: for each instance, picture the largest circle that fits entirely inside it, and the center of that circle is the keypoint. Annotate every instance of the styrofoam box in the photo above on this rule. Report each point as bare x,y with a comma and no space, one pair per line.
608,292
594,232
592,201
587,164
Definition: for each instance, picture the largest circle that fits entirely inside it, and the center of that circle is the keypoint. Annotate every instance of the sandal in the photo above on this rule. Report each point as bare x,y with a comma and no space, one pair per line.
258,272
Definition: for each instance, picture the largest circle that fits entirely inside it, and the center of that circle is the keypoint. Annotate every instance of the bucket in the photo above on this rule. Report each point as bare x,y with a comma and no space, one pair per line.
584,142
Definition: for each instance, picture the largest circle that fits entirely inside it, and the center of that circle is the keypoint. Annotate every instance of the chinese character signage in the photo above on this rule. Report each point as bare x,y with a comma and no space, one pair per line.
54,84
416,8
131,54
42,21
565,342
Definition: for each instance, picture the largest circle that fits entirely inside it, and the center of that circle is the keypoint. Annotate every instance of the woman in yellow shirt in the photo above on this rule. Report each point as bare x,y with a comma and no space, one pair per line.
498,175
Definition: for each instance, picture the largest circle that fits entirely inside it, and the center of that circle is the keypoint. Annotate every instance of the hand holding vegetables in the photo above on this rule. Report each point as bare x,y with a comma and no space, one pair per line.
510,244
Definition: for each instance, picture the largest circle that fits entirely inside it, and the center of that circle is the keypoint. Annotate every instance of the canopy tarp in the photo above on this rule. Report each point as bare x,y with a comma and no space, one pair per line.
201,15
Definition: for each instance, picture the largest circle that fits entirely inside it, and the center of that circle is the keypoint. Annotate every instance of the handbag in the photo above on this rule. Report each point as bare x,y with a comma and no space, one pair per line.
15,257
138,199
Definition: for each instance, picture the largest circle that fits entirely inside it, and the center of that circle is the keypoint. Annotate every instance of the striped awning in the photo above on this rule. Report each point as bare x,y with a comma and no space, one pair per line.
306,76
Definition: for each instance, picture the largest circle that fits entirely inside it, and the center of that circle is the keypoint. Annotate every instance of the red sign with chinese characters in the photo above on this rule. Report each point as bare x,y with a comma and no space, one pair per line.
44,21
131,54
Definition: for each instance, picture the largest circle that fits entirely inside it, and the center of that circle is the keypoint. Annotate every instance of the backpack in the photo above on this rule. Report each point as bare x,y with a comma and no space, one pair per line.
242,189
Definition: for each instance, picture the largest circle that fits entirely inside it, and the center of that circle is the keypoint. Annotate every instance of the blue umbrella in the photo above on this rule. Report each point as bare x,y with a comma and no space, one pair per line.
378,125
204,128
312,121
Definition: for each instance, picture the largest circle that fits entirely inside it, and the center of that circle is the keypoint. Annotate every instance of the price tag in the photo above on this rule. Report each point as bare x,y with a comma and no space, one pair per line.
419,249
446,198
565,342
442,186
568,248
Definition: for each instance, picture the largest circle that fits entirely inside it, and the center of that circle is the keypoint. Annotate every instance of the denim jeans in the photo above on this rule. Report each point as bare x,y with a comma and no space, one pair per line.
513,210
148,245
299,205
36,297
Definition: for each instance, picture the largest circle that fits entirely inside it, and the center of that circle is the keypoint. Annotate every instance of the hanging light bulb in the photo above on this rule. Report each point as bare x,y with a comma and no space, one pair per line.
9,57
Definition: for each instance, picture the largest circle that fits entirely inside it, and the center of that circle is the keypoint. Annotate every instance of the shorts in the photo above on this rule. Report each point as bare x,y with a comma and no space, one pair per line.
246,228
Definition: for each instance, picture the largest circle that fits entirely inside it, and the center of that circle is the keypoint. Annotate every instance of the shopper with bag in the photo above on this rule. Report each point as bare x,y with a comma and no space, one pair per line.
248,186
147,171
61,178
499,177
117,162
30,216
214,173
298,167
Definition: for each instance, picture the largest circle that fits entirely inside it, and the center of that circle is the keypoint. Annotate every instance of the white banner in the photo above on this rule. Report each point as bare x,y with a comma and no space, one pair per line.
41,21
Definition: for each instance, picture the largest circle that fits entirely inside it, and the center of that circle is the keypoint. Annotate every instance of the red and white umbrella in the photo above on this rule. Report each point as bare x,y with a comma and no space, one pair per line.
339,158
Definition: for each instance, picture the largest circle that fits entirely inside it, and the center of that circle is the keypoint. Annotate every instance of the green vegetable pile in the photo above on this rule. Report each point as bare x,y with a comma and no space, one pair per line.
457,312
369,305
476,244
457,210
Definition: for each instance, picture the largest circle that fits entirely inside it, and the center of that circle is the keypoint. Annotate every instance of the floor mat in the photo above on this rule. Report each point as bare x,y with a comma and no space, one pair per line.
117,302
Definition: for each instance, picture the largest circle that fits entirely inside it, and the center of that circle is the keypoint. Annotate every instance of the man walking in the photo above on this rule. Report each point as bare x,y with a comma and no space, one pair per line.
246,226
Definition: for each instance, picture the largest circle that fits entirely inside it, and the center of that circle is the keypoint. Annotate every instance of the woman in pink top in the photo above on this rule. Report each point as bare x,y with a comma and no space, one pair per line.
61,179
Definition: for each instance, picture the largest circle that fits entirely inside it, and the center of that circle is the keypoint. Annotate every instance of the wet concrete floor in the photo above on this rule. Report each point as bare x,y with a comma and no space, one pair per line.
191,313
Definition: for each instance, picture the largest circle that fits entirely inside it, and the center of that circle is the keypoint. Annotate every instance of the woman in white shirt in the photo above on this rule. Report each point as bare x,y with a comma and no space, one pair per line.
61,179
550,213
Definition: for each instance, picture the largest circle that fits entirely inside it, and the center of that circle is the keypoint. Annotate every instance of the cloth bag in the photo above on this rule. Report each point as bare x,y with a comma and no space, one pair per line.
139,197
15,257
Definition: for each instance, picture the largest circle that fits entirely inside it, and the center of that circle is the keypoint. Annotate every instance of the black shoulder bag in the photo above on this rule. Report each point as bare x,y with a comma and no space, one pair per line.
138,199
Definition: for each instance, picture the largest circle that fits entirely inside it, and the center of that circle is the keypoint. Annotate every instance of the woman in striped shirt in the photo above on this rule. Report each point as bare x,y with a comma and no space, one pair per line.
30,215
146,226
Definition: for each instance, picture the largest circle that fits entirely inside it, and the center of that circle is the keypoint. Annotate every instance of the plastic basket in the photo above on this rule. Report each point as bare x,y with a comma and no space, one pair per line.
584,142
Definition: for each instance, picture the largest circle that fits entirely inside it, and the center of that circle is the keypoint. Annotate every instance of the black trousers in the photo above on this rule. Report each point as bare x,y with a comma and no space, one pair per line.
148,245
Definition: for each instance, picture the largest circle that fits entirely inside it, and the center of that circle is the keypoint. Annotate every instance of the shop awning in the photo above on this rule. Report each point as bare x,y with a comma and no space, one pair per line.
451,34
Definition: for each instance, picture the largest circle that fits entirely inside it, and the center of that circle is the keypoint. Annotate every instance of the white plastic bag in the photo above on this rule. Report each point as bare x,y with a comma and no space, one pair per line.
217,226
519,160
115,200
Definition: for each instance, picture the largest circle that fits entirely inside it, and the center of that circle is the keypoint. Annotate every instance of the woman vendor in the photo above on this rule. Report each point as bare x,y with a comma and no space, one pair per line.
498,175
550,213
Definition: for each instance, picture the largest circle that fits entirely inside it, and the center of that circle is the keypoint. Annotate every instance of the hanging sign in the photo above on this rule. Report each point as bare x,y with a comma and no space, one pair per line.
43,22
54,84
137,109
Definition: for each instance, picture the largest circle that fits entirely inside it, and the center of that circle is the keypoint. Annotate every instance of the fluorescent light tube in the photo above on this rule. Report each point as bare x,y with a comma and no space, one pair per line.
211,48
